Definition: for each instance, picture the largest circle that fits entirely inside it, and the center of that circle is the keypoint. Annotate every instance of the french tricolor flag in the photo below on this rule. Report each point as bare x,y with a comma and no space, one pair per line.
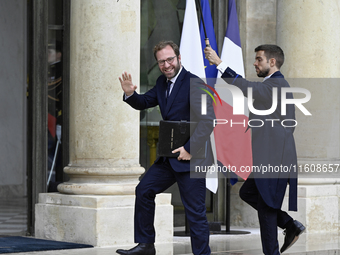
232,142
232,51
231,145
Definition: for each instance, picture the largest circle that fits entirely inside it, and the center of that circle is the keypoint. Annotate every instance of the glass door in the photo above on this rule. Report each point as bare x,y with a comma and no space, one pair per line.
48,69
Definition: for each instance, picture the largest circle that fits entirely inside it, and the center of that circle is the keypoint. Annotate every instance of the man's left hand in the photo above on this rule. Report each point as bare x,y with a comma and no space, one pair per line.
183,154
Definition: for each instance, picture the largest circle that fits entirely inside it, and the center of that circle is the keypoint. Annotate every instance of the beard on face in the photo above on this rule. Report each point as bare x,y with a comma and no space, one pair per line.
263,73
176,70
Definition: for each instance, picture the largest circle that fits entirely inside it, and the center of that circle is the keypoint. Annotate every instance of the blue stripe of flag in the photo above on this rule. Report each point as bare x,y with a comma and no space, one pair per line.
233,28
210,70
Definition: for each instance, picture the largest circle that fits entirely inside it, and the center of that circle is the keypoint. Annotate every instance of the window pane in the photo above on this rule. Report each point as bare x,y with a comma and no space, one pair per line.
160,20
55,12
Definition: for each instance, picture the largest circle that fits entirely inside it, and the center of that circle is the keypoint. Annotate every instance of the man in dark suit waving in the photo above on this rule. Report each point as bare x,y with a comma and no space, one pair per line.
178,95
273,147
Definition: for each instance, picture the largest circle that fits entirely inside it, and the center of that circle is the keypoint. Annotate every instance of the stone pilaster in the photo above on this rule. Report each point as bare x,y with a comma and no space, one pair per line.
257,22
308,32
310,44
309,41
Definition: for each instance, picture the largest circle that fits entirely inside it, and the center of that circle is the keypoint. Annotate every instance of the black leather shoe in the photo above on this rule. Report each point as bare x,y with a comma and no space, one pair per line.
292,234
140,249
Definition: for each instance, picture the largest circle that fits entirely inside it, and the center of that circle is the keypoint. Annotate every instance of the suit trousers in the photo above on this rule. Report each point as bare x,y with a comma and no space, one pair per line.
269,217
157,179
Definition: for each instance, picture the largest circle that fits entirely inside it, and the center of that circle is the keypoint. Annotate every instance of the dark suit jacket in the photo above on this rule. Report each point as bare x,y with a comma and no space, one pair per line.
184,103
272,144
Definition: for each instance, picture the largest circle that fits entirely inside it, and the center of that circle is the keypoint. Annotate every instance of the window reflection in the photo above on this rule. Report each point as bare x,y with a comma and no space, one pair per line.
55,93
54,108
160,20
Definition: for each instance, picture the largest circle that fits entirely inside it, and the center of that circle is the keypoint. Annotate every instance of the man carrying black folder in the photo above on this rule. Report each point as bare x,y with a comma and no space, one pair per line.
178,95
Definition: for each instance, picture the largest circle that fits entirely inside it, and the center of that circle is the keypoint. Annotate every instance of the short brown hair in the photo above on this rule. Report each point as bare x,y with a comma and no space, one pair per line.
272,51
161,45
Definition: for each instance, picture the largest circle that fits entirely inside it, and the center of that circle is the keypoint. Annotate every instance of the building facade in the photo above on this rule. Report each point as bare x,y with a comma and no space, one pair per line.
106,146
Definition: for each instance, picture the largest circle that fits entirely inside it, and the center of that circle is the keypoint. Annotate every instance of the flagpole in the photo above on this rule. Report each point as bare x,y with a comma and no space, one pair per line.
207,43
205,31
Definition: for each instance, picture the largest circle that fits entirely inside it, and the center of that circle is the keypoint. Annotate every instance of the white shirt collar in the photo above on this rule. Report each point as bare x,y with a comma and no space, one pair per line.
173,80
267,77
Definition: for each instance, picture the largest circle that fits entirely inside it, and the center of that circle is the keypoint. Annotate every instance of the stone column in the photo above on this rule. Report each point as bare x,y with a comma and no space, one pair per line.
308,32
104,133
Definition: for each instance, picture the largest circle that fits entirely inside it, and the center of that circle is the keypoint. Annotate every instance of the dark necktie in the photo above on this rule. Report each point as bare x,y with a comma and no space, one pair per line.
168,90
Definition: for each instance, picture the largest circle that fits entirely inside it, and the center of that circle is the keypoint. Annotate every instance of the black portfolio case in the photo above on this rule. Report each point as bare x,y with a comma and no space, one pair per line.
174,134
